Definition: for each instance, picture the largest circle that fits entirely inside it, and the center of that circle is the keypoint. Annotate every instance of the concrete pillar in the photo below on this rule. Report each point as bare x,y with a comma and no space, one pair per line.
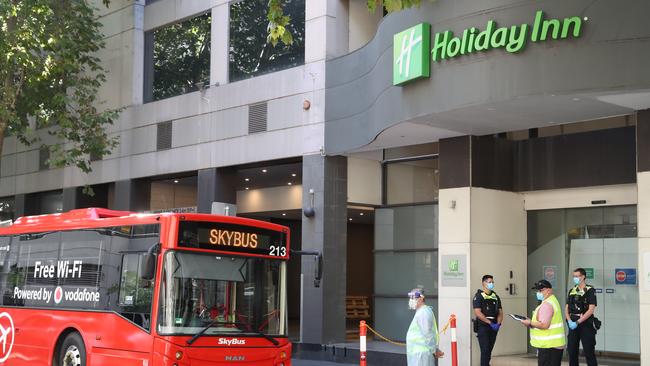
215,185
323,309
19,205
643,181
132,195
70,198
326,29
220,53
486,229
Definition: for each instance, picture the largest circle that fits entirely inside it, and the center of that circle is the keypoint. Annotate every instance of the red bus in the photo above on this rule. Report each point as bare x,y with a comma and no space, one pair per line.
105,288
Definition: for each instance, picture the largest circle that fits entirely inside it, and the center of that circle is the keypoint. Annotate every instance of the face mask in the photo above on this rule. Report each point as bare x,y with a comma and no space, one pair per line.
490,286
413,303
540,296
576,280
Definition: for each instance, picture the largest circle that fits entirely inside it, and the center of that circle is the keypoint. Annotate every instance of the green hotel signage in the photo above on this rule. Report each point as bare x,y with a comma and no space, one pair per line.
410,61
411,54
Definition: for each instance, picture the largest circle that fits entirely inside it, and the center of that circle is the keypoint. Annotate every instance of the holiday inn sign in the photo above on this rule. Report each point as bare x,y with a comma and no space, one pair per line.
412,50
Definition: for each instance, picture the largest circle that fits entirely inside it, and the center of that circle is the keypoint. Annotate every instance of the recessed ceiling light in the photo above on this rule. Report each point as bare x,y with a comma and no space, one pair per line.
289,183
350,219
247,188
284,214
293,175
360,213
175,180
247,179
264,170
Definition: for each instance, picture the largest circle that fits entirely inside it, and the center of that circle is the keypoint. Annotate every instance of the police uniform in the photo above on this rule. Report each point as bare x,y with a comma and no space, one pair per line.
579,301
489,305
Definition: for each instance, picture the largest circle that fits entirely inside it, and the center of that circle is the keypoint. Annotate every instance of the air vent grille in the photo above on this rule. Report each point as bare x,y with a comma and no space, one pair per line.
164,136
257,118
43,157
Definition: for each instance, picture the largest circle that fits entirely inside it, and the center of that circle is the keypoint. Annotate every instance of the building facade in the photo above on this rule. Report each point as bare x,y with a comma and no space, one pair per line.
434,145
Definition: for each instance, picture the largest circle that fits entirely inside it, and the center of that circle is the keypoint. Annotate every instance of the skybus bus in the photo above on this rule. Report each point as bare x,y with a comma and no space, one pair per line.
111,288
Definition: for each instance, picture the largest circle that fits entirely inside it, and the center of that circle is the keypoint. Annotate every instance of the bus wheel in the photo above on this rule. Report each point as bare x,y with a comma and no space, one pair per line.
72,351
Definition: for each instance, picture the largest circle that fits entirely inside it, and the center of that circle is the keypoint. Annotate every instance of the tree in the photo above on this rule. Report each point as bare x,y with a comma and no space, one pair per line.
49,77
181,57
250,51
280,23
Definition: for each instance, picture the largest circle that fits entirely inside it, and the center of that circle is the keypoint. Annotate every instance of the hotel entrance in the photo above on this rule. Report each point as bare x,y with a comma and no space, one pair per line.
603,241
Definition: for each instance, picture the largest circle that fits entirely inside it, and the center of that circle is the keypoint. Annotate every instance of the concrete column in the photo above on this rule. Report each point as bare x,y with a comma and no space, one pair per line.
19,205
132,195
487,228
326,29
323,308
70,198
220,35
643,181
215,185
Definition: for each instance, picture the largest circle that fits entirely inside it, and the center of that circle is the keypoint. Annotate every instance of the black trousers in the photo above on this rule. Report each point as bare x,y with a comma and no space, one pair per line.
486,339
549,356
586,334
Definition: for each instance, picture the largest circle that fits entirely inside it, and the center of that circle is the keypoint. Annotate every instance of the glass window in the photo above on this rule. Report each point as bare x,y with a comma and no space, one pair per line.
414,181
177,59
240,295
6,209
250,53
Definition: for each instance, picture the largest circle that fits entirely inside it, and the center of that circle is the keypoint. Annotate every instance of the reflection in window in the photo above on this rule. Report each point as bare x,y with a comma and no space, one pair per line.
6,209
250,53
180,59
413,181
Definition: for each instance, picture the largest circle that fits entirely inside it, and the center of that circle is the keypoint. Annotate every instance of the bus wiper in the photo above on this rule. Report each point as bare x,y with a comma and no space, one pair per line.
267,337
205,329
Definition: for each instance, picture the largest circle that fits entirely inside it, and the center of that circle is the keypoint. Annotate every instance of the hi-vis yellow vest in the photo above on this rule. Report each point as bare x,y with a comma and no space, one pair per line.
554,336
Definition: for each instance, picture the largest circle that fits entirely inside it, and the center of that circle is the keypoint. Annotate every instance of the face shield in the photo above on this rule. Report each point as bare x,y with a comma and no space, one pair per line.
414,297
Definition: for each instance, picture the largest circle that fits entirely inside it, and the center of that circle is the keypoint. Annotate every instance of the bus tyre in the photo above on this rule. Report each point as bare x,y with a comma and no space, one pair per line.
73,351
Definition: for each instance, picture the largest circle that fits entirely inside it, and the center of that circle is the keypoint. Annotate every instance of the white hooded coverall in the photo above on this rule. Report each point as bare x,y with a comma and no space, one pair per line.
422,338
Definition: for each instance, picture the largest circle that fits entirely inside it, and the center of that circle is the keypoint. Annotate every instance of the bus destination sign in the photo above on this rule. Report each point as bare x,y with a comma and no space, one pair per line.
232,238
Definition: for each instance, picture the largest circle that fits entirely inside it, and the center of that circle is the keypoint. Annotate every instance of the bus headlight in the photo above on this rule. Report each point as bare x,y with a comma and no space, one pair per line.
179,355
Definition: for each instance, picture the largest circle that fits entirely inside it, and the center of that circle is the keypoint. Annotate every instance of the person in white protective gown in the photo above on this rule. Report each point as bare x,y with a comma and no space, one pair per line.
422,337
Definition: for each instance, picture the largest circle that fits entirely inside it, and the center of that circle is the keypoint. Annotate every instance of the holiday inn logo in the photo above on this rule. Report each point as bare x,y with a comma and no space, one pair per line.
412,52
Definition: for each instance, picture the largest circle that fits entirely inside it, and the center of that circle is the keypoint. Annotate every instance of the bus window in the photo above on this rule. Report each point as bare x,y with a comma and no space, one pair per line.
135,293
241,295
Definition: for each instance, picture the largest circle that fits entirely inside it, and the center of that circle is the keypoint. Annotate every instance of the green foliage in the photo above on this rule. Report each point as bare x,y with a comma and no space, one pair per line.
181,57
278,22
251,51
392,5
49,77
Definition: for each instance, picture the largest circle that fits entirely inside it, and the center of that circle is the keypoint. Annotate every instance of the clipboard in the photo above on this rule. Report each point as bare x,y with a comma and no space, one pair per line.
517,317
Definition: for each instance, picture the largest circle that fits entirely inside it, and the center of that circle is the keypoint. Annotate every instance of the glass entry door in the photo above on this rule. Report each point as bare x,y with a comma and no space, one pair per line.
611,265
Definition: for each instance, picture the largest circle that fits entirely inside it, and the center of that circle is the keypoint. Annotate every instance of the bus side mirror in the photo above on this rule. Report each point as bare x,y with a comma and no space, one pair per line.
148,263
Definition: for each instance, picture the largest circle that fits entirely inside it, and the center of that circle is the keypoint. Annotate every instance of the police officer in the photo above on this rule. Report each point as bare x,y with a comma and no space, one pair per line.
489,316
580,308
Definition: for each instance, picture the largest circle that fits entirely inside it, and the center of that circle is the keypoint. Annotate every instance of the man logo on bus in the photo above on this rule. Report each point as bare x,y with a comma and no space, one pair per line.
58,295
6,335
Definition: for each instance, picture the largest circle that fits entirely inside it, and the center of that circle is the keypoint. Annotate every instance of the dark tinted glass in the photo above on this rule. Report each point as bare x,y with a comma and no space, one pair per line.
250,53
95,269
181,57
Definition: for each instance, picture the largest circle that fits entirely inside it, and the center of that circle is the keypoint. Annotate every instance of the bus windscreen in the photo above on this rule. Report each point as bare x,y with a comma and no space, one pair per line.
232,238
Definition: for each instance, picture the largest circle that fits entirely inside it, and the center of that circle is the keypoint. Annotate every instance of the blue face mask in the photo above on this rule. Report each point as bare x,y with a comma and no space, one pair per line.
490,286
576,280
540,296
